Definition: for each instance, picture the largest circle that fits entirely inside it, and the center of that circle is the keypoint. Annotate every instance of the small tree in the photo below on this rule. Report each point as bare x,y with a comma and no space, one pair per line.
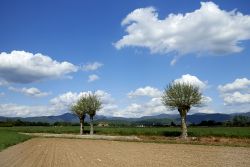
80,109
181,96
94,104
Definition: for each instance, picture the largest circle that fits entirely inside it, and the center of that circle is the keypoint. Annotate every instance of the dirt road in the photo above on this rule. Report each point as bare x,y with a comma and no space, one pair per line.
78,152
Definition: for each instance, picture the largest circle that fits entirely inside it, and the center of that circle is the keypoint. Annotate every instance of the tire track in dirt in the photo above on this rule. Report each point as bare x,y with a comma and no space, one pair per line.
58,152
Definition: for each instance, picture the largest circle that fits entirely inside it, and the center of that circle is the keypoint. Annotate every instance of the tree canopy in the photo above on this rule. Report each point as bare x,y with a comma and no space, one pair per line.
93,104
181,96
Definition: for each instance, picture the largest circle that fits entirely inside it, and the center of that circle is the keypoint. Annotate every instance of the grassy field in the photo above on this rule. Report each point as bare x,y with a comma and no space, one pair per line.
238,132
9,138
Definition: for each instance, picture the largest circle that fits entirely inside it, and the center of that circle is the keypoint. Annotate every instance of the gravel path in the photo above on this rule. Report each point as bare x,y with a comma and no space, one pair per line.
58,152
74,136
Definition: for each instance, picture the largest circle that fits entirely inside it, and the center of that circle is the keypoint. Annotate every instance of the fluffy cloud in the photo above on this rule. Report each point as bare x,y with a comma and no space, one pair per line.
193,32
238,84
236,97
187,78
92,66
30,91
17,110
152,107
145,91
155,107
64,101
206,100
25,67
68,98
59,105
109,107
237,92
93,77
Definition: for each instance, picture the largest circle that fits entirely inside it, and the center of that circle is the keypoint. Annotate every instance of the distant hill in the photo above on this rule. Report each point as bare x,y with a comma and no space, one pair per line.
162,118
244,114
197,118
67,117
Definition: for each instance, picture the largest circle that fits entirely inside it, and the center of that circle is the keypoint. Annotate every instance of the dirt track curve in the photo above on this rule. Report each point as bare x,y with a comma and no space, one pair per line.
59,152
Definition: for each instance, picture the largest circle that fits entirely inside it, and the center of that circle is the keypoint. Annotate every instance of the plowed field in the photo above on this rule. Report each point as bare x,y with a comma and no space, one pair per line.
58,152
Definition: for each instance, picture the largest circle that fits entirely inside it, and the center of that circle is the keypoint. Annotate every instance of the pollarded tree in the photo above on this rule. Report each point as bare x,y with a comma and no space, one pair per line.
94,104
182,96
80,109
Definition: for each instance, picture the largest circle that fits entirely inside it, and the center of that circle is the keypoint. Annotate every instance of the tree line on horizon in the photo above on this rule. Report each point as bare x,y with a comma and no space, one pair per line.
236,121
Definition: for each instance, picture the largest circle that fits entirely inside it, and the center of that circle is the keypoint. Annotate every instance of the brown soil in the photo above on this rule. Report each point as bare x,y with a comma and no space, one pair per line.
218,141
223,141
60,152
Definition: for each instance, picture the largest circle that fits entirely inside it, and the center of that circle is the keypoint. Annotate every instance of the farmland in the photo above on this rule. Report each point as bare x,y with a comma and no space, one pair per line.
237,132
10,135
74,152
69,152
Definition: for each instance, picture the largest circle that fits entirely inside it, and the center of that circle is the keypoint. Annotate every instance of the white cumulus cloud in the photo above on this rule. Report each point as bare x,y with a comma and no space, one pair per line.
145,91
237,92
16,110
206,100
238,84
237,97
205,30
25,67
93,78
30,91
92,66
65,100
110,107
58,105
152,107
190,79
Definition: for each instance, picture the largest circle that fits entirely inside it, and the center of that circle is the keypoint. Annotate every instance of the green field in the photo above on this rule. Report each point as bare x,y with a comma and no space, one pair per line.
9,138
238,132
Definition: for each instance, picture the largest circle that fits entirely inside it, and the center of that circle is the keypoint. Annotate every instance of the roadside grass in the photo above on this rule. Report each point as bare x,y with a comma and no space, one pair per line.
9,138
234,132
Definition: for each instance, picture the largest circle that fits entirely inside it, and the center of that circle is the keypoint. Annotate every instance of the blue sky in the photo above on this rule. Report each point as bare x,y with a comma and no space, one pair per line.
128,51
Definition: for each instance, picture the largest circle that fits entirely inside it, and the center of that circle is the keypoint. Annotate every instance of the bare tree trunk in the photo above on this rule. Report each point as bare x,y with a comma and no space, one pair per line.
91,126
184,134
81,126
